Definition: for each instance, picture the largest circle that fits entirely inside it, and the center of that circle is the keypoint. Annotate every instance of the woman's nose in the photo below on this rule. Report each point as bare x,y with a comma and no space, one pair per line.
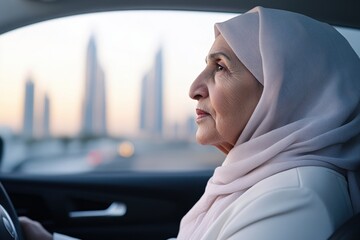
198,88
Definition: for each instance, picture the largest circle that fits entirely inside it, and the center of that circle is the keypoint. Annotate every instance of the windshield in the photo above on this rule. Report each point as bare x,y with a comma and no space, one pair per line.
106,92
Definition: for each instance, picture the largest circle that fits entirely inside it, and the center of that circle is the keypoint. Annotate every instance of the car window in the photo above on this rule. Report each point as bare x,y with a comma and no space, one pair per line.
106,92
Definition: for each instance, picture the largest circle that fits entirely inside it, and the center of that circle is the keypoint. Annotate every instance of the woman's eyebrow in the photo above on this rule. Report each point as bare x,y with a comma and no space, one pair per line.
216,55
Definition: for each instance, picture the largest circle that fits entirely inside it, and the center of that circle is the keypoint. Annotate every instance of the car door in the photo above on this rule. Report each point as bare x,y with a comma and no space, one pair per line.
107,206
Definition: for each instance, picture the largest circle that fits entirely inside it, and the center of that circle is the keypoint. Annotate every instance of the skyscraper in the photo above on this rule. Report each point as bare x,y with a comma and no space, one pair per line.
151,109
28,117
143,107
94,104
46,117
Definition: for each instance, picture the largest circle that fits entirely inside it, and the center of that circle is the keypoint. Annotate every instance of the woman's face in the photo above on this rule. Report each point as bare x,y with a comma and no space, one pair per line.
227,94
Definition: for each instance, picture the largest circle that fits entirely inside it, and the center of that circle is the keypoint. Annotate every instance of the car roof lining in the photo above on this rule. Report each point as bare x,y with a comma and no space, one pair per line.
17,13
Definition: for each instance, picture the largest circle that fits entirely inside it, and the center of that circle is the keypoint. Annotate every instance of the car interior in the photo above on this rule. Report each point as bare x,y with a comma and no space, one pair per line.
113,202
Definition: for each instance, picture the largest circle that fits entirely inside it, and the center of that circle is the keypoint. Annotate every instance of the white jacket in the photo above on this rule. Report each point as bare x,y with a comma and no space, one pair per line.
300,203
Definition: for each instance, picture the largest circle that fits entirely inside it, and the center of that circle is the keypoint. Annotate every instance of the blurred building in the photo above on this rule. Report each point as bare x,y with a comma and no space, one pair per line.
94,103
184,130
28,116
46,117
151,109
191,127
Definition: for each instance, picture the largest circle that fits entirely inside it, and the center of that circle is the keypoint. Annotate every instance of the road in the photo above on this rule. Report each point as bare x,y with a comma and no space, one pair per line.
103,155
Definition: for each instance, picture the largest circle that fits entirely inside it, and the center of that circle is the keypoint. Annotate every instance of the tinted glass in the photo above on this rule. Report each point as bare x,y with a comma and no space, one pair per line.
107,92
104,92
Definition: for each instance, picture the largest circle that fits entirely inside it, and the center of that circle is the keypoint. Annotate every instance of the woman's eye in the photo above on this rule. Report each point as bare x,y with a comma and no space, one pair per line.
219,68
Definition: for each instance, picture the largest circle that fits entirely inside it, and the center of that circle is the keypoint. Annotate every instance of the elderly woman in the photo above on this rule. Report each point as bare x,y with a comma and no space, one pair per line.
280,96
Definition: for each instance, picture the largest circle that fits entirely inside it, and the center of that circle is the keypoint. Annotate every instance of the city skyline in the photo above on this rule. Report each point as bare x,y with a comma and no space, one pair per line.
54,54
36,119
94,108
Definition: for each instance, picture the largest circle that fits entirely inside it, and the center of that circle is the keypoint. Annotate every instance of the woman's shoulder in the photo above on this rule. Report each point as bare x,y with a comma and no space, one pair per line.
317,179
307,200
316,183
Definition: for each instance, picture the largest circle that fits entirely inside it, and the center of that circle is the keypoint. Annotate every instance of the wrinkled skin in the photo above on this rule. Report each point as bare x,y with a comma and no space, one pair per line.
227,94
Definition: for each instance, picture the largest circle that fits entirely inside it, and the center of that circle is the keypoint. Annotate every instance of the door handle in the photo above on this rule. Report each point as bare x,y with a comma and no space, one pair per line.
116,209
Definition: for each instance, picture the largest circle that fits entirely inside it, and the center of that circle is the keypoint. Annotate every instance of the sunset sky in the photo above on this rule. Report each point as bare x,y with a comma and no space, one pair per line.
53,55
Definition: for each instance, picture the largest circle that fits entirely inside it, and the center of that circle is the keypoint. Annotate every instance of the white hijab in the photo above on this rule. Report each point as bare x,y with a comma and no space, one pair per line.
308,114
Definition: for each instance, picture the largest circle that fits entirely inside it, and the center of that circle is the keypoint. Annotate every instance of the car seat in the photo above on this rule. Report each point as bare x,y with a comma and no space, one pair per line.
350,230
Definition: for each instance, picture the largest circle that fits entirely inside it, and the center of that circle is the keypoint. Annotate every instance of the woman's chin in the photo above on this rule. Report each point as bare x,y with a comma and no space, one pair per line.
201,138
205,136
201,141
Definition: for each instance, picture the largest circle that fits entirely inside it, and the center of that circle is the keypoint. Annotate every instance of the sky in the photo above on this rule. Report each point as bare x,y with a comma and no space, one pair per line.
53,54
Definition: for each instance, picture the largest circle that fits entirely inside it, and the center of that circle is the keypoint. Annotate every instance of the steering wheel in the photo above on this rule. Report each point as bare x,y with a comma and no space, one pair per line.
9,223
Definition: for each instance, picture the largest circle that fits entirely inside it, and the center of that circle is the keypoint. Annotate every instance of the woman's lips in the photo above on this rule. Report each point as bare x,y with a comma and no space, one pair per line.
201,114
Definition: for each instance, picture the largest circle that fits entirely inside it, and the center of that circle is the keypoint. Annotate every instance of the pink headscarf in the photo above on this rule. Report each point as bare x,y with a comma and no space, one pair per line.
308,114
